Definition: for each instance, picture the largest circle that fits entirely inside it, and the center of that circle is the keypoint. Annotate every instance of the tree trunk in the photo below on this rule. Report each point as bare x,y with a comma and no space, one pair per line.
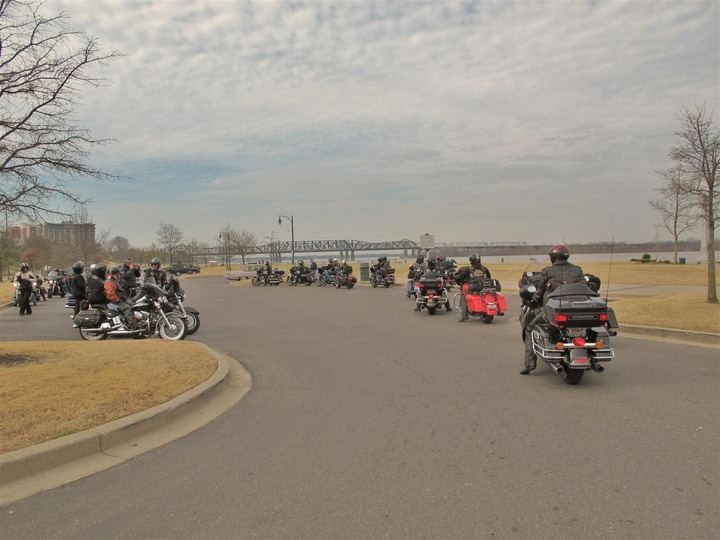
710,254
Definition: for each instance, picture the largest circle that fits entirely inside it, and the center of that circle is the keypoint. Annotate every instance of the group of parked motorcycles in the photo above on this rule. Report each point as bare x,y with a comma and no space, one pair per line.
153,310
299,276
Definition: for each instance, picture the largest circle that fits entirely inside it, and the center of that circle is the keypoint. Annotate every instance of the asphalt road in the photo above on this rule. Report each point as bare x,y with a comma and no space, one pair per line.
369,420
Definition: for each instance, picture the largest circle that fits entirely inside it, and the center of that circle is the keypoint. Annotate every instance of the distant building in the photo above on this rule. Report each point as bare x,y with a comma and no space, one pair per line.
20,233
67,231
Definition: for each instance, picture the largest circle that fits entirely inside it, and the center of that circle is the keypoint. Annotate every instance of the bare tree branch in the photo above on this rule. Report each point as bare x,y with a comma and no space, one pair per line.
44,66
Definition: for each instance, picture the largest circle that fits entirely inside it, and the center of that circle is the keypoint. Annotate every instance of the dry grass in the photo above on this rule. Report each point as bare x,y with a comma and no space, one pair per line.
51,389
682,312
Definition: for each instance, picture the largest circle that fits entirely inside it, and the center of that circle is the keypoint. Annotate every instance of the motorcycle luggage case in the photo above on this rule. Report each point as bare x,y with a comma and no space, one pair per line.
582,308
89,319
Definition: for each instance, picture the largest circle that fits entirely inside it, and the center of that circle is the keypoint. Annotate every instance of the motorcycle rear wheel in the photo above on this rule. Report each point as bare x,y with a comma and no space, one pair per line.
431,310
487,319
175,331
193,323
387,284
573,376
92,336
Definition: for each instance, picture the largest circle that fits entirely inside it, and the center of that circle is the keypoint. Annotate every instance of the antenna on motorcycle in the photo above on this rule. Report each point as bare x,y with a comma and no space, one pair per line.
607,288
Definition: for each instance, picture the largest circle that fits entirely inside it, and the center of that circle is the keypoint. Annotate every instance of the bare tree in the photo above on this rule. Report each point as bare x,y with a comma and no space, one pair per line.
170,238
696,158
119,247
43,67
675,209
243,243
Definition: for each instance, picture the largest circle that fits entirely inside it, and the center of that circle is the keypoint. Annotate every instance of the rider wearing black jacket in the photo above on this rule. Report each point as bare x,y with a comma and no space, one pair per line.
560,272
473,275
95,288
77,285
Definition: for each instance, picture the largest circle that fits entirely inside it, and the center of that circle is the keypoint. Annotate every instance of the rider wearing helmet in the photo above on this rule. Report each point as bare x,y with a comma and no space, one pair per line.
155,272
24,280
77,285
560,272
95,288
473,275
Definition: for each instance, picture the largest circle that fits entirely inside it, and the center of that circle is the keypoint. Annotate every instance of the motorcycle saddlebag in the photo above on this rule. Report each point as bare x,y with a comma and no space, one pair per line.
89,319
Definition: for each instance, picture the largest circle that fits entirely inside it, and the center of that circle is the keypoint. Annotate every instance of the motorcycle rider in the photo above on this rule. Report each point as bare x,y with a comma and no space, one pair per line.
116,295
77,285
473,275
157,273
129,274
24,280
95,288
560,272
430,273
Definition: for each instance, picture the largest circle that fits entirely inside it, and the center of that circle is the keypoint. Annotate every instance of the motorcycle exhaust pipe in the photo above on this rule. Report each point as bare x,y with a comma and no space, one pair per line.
558,369
598,368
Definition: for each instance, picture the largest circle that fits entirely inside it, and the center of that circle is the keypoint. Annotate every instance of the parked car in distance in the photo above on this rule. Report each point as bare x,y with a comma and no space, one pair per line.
182,268
248,271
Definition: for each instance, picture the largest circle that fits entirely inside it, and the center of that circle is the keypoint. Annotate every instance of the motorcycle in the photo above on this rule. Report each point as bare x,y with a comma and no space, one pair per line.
486,304
152,314
264,278
323,277
430,293
448,276
34,295
55,287
345,280
176,296
384,276
574,330
297,278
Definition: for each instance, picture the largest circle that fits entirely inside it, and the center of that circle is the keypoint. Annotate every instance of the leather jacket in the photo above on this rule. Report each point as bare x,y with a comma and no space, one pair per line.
561,272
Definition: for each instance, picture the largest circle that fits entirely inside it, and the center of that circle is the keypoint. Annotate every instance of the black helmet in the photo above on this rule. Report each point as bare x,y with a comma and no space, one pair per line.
114,270
431,264
78,267
475,259
155,260
420,259
559,252
100,270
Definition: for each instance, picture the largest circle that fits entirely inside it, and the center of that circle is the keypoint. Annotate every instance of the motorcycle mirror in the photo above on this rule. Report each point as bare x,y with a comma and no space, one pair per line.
529,274
531,289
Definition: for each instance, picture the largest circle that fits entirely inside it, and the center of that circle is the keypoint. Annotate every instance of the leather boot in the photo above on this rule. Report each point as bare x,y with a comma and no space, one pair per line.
529,366
417,307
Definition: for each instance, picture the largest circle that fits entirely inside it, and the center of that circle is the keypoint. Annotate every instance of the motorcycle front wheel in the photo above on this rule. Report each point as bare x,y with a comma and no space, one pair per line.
256,281
92,336
174,329
374,283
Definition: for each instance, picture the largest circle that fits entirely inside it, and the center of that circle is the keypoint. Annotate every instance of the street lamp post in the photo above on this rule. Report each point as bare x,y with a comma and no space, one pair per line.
292,234
224,239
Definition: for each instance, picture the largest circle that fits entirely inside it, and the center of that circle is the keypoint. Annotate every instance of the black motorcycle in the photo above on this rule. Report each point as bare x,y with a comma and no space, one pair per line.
151,314
345,279
574,328
176,296
384,276
263,277
55,286
300,277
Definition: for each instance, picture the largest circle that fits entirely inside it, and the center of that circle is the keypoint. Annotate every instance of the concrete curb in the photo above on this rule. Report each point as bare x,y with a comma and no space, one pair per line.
116,441
705,339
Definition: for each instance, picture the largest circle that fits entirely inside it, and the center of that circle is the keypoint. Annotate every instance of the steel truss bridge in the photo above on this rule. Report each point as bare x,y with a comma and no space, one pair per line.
345,248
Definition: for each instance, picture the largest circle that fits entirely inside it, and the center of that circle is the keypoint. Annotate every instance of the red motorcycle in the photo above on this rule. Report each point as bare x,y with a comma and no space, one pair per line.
486,304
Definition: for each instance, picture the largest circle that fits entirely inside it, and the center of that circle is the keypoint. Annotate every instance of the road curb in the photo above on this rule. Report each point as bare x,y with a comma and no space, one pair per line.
114,442
656,332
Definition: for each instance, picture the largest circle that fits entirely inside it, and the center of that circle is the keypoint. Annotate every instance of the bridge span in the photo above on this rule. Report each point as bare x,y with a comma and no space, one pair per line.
346,249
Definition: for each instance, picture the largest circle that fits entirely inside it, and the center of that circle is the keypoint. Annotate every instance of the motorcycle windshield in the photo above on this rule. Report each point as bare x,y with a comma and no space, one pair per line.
152,290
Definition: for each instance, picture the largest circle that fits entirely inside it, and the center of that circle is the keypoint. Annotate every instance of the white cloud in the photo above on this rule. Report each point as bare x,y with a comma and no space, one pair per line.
488,112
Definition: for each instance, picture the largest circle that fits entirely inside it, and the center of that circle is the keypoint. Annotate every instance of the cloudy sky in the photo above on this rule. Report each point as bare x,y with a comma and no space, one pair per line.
493,121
